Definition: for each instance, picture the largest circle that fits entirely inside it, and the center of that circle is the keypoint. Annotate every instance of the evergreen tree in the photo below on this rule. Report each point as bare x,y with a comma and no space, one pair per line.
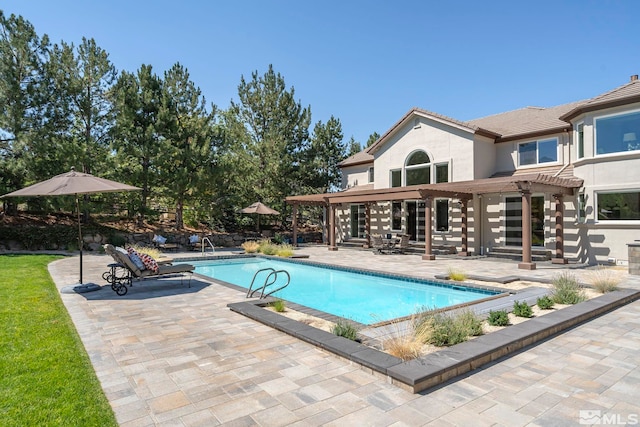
372,138
327,149
275,134
187,139
353,147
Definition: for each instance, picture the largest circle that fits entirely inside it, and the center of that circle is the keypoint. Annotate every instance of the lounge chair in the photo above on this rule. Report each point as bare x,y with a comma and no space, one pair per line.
378,244
403,245
123,272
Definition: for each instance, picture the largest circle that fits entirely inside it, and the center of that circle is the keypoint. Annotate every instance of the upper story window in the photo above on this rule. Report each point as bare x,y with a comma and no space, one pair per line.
442,172
538,152
396,178
371,174
418,168
580,139
615,134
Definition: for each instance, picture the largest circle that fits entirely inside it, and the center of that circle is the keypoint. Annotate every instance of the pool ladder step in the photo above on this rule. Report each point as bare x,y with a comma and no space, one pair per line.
270,279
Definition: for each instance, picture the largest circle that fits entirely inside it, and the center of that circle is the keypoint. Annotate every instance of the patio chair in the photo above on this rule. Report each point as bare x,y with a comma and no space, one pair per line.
124,270
163,243
378,244
403,245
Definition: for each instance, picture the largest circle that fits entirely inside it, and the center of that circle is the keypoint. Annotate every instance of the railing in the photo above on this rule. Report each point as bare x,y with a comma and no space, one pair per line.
271,279
204,246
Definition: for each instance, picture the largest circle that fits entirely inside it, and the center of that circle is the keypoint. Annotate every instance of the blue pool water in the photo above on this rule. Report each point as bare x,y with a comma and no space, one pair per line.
365,298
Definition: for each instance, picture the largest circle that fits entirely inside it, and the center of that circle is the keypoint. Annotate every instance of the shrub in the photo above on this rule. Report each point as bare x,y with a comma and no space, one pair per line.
567,290
278,305
284,250
346,329
522,309
446,329
604,279
250,246
498,318
545,303
456,274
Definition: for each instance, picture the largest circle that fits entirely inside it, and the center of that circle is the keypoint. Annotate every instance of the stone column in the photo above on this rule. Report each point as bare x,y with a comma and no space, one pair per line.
559,258
428,256
526,263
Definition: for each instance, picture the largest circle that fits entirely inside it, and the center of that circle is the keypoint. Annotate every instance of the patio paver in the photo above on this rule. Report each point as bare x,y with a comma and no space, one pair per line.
173,355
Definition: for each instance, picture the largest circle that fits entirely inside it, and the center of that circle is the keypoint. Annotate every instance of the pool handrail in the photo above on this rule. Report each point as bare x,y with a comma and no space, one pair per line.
274,273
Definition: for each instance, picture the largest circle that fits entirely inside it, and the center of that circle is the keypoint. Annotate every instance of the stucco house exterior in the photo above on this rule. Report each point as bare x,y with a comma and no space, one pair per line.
562,181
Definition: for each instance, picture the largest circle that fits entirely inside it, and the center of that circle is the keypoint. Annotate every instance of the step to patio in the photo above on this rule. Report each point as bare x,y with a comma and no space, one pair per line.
515,253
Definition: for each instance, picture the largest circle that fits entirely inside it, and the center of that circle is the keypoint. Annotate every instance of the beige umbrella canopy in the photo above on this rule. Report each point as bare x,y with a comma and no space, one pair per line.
73,183
260,209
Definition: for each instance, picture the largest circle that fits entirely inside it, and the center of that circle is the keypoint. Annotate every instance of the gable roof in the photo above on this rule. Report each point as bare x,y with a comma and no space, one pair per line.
528,121
516,124
625,94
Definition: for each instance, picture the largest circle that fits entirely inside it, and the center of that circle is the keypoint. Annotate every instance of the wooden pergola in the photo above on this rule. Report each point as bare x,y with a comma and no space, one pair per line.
525,184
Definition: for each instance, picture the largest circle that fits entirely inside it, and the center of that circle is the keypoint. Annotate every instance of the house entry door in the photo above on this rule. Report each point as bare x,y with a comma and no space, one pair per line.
412,220
513,221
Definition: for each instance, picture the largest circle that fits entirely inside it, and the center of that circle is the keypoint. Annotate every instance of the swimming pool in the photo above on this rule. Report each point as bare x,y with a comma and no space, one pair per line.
364,297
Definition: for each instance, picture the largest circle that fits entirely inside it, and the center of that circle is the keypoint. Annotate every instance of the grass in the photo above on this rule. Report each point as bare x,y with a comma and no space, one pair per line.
250,246
456,274
47,378
604,279
346,329
406,338
279,305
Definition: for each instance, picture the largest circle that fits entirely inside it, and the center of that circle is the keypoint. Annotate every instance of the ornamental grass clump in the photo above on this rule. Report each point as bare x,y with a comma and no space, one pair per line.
284,250
447,329
250,246
267,248
406,338
604,279
567,290
456,274
152,252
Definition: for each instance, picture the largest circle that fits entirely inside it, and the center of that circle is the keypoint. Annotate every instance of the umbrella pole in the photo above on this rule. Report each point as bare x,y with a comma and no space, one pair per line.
79,234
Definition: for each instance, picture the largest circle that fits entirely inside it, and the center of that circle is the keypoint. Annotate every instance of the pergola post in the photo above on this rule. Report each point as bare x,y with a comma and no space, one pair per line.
294,224
428,256
559,258
332,228
526,263
464,251
367,225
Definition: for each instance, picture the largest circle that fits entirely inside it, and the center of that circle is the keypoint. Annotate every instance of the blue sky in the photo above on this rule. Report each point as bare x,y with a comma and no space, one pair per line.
368,62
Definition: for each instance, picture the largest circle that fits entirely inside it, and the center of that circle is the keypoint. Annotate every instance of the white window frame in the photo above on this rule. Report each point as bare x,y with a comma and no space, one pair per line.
435,171
595,134
371,174
435,202
421,165
537,163
401,215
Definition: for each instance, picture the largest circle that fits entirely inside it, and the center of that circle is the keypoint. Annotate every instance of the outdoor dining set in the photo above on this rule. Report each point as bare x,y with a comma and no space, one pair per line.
389,244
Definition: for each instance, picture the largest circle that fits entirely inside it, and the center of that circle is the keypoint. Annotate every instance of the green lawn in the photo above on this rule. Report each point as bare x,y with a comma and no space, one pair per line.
46,377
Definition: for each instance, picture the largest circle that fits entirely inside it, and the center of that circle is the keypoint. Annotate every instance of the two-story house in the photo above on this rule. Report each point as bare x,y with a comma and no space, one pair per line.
563,180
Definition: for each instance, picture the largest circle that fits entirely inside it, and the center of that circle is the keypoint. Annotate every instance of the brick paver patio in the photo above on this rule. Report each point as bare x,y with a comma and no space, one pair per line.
177,356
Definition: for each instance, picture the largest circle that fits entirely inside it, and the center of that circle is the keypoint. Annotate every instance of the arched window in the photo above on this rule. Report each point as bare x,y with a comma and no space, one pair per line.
418,168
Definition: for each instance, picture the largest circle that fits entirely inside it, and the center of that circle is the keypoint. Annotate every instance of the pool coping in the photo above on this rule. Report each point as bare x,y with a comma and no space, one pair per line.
441,366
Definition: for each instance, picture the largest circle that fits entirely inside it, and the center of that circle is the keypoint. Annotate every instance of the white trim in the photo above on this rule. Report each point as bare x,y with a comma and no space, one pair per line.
577,140
537,164
595,132
391,177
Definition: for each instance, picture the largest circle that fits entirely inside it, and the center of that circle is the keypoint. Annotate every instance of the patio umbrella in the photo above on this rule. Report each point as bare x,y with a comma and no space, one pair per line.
260,209
73,183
